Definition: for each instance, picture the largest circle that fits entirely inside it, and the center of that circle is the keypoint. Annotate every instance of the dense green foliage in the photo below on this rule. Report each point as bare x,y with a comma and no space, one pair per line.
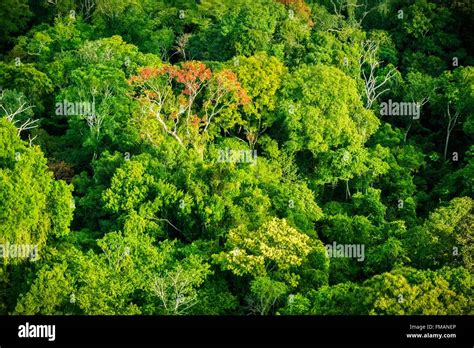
210,156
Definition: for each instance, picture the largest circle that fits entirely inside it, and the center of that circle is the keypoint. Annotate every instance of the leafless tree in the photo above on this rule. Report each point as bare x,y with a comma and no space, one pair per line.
420,104
350,7
86,7
180,47
452,120
175,291
12,114
369,65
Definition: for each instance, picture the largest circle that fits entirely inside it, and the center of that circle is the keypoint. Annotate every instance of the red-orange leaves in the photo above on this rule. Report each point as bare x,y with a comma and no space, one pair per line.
193,75
300,8
171,94
227,80
193,71
147,73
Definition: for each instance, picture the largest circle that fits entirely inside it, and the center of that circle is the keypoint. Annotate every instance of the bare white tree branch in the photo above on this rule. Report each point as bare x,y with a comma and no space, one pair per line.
369,66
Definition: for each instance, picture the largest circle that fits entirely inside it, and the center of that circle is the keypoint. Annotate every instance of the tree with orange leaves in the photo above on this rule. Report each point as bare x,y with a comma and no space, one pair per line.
187,99
300,9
